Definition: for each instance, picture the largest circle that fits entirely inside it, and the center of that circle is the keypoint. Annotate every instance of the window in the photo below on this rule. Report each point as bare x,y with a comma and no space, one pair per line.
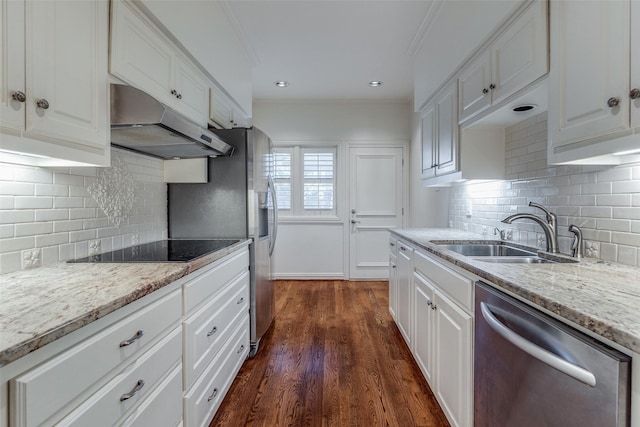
305,180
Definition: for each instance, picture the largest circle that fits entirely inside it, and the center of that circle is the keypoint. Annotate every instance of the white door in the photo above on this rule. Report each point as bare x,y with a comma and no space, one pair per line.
375,205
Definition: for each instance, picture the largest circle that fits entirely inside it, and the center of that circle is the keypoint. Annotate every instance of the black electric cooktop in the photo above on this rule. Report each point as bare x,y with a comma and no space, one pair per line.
177,250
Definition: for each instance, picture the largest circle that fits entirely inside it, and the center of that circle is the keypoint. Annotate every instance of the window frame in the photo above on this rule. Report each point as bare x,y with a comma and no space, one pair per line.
297,180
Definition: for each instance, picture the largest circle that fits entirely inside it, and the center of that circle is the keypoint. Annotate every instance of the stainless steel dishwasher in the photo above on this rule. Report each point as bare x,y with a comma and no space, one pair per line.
532,370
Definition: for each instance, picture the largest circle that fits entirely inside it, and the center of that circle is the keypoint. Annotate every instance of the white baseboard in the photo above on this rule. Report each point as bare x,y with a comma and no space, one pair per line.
309,276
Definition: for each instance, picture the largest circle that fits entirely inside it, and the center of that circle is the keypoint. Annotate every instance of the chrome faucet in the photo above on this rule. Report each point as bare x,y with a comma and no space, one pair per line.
550,226
577,244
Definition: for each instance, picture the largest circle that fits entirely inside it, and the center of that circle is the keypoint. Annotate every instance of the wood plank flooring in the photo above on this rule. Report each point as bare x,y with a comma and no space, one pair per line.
333,357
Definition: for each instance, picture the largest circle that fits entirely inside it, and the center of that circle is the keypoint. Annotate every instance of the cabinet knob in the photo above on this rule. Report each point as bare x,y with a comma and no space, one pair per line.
42,103
634,94
179,96
485,91
174,92
613,102
353,221
492,86
19,96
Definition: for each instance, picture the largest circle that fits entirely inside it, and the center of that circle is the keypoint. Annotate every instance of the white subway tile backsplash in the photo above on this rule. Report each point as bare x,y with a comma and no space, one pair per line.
603,200
50,209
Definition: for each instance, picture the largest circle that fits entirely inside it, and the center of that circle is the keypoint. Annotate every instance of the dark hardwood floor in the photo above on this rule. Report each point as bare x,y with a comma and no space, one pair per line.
333,357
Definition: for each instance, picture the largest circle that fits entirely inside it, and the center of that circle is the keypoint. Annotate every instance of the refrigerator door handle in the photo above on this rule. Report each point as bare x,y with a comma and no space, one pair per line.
539,353
274,231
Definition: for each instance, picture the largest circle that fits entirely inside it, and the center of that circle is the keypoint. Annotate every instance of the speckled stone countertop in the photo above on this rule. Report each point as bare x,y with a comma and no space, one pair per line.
602,297
41,305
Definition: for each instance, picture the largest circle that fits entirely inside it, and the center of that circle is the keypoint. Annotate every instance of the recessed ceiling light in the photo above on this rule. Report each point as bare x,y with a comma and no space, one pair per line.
282,83
375,84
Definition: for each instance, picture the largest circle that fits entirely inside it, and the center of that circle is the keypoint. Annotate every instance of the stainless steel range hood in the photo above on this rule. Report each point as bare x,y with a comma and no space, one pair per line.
140,123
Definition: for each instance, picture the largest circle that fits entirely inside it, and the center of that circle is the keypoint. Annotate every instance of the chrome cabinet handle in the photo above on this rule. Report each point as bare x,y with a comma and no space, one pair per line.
213,395
634,94
391,244
393,266
212,331
402,248
42,103
19,96
133,339
533,350
133,391
485,91
240,301
613,102
240,349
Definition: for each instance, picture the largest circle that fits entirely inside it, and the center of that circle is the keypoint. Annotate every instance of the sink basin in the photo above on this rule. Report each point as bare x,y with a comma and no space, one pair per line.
489,250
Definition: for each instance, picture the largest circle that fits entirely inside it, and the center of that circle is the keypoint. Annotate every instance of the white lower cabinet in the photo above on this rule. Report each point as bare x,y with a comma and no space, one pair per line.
440,311
404,314
165,360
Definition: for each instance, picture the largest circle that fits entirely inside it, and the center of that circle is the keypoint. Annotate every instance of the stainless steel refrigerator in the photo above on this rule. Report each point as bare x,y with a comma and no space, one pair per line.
238,201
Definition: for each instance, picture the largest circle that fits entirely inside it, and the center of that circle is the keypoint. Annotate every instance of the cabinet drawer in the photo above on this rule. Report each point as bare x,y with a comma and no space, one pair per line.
163,407
205,397
106,406
205,285
207,330
454,284
43,391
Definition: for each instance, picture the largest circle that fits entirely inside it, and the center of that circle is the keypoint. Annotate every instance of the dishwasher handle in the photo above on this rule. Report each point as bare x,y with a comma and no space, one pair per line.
535,351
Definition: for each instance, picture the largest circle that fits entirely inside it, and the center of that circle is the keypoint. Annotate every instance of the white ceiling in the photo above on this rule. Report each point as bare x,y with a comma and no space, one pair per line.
331,49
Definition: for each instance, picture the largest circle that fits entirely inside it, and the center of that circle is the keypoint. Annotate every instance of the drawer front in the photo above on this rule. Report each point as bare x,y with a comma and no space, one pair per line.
207,330
393,247
46,389
454,284
203,400
201,288
107,405
163,407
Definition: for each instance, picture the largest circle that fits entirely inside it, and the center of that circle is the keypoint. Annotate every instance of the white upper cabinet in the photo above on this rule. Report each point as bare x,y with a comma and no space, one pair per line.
517,57
142,57
428,138
594,71
223,112
54,81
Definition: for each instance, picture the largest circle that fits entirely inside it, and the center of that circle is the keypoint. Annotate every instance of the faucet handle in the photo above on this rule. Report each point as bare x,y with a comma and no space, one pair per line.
551,217
577,244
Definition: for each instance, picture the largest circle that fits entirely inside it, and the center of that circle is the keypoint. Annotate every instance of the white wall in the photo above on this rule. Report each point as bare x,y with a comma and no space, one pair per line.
48,216
603,200
308,249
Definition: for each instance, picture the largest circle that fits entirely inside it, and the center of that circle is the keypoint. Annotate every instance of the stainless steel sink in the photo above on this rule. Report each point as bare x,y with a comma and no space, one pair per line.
488,250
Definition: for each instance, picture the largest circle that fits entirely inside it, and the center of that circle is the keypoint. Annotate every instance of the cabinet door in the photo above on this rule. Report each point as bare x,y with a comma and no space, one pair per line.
428,142
12,71
67,48
220,109
473,84
139,56
393,287
405,293
424,327
454,360
519,55
590,57
447,130
635,62
193,92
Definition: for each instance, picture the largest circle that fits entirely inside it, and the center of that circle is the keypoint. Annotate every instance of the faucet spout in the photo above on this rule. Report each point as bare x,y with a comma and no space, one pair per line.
549,230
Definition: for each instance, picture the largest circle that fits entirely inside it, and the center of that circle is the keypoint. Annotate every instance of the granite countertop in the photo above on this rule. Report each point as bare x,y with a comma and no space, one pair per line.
41,305
602,297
